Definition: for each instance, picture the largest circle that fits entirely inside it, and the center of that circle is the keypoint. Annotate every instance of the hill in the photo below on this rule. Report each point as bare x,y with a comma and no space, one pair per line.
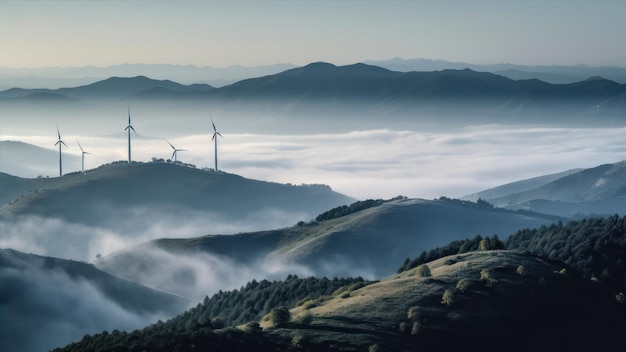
600,190
122,203
119,187
48,301
364,243
487,300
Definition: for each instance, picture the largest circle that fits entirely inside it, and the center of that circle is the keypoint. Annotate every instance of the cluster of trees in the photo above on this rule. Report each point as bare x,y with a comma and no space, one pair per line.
208,324
454,247
480,203
344,210
595,246
256,299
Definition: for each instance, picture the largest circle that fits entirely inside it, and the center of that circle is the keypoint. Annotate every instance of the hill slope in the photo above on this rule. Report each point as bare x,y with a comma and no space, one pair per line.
48,301
599,190
120,186
490,300
118,204
366,243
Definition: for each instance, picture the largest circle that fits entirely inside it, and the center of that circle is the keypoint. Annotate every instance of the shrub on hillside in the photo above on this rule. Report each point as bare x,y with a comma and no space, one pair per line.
280,316
447,298
423,271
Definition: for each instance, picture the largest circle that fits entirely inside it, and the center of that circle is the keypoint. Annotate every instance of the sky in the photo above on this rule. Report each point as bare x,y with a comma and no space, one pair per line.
38,34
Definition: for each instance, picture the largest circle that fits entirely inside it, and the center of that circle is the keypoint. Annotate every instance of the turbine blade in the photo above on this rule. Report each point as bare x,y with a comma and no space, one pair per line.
64,143
132,128
219,134
214,129
168,142
79,146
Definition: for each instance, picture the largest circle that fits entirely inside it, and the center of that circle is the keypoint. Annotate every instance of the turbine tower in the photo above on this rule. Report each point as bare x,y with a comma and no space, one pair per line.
215,134
175,150
83,156
129,127
60,143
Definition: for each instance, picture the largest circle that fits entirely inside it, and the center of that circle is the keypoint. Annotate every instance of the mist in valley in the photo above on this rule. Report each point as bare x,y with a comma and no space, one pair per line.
365,158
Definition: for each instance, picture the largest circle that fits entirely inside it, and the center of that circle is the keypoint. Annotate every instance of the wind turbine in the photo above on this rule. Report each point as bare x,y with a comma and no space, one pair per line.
60,143
215,134
83,156
129,127
175,150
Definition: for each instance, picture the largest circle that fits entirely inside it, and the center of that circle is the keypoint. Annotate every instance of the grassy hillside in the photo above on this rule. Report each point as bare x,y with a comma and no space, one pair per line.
365,243
118,188
487,300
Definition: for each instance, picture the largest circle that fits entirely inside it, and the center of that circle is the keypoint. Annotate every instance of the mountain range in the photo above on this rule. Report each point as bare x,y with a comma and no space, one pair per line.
58,77
557,74
312,95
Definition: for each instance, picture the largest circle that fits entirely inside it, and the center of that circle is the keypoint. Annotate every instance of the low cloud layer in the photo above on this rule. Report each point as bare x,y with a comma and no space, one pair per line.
379,163
63,239
41,310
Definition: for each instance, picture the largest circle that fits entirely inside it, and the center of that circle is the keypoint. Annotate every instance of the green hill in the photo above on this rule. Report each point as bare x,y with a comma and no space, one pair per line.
364,243
485,300
120,186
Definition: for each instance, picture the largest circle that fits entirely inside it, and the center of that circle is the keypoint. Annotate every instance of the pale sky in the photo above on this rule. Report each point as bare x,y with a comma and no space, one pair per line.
224,33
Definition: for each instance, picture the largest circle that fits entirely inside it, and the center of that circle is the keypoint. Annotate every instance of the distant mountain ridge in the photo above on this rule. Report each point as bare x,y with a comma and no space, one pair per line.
58,77
599,190
320,89
558,74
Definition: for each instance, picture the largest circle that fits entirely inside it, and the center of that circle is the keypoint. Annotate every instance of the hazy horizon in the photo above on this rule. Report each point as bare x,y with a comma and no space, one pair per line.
247,33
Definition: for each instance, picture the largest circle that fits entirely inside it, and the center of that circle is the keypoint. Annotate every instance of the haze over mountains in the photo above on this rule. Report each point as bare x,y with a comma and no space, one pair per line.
35,292
59,77
312,96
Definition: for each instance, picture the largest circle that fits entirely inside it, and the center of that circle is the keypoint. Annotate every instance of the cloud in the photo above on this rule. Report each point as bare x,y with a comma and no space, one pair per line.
63,239
42,309
383,163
